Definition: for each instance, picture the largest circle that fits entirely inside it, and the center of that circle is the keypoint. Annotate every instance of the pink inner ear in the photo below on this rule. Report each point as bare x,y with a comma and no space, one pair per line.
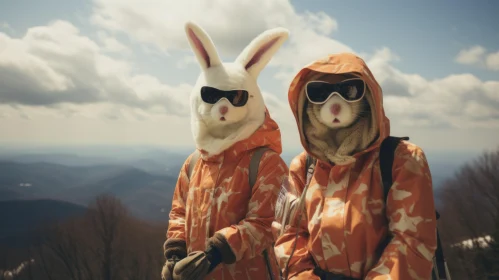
258,55
199,46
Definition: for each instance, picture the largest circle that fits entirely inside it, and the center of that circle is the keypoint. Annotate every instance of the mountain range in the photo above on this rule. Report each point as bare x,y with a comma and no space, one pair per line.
48,185
146,194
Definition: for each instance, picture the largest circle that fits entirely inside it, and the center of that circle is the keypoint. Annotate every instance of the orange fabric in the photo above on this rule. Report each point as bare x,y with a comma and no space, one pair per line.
345,215
218,199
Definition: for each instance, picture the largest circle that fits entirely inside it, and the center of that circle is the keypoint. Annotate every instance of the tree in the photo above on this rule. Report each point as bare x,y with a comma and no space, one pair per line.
108,218
106,243
471,211
66,246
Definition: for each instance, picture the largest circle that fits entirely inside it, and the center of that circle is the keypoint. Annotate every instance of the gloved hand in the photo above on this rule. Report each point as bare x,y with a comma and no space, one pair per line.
166,273
174,250
198,264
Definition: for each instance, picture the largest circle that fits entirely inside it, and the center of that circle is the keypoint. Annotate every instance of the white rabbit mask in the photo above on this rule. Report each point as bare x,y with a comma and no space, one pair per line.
218,126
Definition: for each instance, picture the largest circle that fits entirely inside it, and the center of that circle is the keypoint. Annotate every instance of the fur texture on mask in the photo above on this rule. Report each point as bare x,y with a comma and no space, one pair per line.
338,145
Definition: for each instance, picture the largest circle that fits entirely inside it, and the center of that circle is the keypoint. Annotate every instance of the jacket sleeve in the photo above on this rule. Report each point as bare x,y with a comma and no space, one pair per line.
253,234
301,265
176,224
412,221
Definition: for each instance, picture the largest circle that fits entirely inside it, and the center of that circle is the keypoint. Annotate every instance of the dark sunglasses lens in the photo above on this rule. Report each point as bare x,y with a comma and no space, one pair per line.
211,95
318,91
352,90
238,98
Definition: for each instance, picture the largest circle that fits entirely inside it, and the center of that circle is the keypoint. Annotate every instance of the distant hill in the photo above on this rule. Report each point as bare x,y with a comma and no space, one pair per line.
158,162
45,179
147,195
56,158
6,194
20,217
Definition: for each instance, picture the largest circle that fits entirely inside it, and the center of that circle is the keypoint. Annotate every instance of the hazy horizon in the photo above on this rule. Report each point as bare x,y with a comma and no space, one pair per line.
158,159
83,149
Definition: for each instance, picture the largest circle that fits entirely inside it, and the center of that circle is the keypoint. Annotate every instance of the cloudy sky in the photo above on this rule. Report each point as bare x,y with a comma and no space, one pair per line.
120,71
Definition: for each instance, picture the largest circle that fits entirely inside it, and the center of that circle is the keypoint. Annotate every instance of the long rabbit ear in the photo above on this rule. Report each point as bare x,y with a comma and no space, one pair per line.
202,45
259,52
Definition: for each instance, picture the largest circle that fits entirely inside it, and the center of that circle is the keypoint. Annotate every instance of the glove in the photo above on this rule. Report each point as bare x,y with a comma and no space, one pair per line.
198,264
194,267
166,273
174,250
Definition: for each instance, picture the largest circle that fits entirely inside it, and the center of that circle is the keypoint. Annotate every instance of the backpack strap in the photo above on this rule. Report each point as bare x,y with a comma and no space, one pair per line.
192,163
255,164
386,158
252,173
440,265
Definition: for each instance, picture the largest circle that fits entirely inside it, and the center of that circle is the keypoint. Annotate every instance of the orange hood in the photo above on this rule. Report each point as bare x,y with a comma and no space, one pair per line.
338,64
268,134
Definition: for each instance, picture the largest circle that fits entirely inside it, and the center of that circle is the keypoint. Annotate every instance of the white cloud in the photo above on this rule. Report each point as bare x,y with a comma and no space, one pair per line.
470,56
6,27
278,109
160,23
100,123
55,64
459,101
492,61
477,55
91,111
111,44
185,61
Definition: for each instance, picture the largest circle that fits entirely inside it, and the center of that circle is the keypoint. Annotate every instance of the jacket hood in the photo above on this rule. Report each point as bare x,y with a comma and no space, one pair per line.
268,134
338,64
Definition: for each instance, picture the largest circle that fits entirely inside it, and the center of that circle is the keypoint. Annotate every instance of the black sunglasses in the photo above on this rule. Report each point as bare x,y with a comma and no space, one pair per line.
350,90
211,95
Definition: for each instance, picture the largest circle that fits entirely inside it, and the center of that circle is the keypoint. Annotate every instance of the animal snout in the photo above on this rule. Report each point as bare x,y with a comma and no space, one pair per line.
223,110
335,109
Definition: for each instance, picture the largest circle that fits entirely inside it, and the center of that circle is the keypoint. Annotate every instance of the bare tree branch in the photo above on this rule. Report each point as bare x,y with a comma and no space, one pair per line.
471,211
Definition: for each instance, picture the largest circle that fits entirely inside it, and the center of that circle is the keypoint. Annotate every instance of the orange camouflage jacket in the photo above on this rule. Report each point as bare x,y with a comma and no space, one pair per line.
218,199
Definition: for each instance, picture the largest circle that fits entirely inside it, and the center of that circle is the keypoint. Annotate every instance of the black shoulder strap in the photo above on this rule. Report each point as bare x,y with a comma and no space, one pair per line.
386,157
441,270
